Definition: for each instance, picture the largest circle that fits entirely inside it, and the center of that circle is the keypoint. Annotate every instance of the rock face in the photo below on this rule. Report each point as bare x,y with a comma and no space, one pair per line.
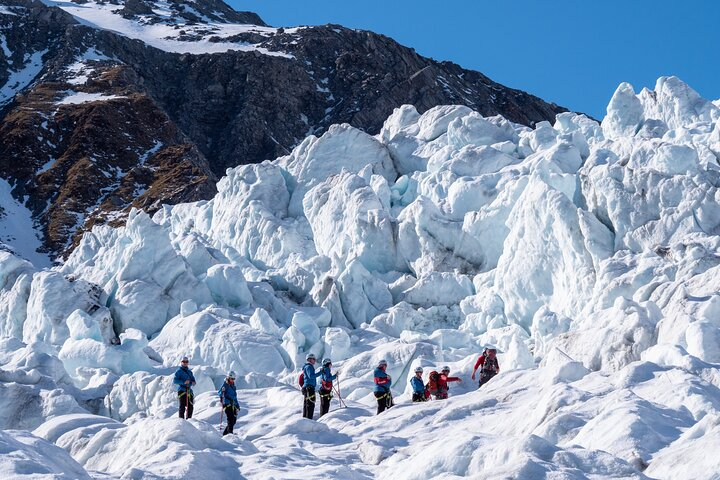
109,105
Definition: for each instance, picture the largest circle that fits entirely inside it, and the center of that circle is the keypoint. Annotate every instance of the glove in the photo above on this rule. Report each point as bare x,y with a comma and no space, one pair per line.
473,376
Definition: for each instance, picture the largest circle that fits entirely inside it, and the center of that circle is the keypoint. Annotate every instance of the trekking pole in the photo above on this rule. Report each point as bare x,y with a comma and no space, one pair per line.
342,402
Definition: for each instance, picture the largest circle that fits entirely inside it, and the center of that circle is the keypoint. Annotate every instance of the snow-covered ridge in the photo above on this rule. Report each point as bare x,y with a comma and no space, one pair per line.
586,253
168,26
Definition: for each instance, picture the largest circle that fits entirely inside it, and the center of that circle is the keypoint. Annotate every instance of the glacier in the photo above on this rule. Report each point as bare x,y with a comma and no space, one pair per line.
585,252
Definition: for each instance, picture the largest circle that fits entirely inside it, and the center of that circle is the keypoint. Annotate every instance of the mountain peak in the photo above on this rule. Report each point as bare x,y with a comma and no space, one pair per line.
171,12
179,26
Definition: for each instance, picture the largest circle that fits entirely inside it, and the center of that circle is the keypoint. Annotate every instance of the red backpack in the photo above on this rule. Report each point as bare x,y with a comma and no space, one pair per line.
432,385
301,379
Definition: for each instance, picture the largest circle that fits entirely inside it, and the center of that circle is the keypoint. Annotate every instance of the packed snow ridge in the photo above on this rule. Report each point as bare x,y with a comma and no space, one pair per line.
587,254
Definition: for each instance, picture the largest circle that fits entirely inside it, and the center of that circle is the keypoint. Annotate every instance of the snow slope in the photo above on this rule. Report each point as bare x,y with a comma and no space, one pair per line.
17,230
164,30
21,76
586,253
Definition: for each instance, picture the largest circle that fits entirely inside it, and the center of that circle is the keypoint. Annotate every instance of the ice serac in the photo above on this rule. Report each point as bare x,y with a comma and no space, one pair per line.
362,295
624,113
672,105
16,277
341,148
144,280
552,252
350,222
53,297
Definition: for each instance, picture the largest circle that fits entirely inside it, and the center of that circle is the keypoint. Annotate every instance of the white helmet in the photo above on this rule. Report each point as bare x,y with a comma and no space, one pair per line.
310,356
382,362
418,370
445,369
231,374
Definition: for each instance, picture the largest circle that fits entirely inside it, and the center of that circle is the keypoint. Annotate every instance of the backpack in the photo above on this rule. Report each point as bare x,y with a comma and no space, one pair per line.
491,365
432,385
301,379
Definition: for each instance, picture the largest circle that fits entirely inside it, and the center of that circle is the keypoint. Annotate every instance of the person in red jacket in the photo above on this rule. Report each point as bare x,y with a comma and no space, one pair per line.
490,366
442,383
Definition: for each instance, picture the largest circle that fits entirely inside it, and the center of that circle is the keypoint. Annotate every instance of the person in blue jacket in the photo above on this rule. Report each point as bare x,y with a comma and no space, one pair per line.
326,386
382,387
418,387
309,386
228,397
184,379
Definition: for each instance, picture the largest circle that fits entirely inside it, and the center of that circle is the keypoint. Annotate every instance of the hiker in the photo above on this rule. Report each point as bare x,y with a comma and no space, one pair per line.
228,397
382,387
184,379
442,383
420,393
309,383
326,386
490,367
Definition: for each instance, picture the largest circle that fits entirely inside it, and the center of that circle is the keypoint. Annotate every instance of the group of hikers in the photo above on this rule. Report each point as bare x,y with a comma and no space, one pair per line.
436,387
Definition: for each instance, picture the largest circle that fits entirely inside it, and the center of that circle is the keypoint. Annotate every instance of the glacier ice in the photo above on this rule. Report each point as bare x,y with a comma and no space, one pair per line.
585,252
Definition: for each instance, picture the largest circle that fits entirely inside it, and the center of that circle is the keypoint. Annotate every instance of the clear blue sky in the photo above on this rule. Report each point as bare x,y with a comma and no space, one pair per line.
572,52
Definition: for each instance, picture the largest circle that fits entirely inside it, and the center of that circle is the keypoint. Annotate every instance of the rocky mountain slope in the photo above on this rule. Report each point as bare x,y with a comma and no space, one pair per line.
111,104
